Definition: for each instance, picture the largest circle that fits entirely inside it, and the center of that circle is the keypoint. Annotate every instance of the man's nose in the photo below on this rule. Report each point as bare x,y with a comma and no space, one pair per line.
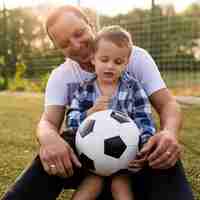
77,44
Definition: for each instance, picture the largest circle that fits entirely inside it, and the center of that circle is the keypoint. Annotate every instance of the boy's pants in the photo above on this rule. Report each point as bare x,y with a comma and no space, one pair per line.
148,184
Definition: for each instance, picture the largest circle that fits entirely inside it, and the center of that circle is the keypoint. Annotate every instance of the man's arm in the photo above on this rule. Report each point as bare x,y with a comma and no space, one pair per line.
168,109
165,143
54,151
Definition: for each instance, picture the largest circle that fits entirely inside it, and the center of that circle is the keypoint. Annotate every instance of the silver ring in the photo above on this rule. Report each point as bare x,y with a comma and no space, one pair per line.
168,153
52,166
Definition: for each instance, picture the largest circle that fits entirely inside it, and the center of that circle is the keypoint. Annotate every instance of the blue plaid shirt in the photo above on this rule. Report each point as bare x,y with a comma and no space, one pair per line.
130,98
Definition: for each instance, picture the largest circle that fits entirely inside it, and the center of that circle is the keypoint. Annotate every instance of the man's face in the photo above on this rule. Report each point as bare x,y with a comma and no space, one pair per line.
73,36
109,61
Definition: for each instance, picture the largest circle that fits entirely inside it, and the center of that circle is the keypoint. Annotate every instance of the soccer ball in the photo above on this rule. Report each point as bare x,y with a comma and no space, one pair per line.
106,141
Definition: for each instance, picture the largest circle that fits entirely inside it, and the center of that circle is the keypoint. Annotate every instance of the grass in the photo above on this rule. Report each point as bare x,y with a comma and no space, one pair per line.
19,115
183,82
181,78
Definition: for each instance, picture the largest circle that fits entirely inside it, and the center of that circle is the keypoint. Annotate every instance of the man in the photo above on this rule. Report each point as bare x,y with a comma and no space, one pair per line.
71,32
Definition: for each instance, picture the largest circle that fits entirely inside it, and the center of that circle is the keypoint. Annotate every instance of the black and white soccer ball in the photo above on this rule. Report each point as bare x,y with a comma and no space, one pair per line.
106,141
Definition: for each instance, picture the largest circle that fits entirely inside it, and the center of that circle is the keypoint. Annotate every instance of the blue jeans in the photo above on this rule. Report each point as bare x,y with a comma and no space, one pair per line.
147,184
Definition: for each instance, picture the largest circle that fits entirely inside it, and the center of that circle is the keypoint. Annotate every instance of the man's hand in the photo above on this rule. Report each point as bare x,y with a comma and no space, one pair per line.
101,104
57,157
163,150
138,163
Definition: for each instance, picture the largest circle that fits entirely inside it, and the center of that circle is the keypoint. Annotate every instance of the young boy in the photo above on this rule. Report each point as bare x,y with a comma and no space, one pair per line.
111,88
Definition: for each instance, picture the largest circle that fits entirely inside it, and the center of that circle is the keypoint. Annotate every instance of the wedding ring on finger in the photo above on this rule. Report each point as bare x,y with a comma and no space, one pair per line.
168,153
52,166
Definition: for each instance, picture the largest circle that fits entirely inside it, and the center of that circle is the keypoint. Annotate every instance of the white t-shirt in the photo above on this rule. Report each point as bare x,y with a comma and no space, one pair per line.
65,79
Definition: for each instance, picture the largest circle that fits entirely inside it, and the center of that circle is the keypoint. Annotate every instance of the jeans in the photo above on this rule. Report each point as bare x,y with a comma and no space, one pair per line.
147,184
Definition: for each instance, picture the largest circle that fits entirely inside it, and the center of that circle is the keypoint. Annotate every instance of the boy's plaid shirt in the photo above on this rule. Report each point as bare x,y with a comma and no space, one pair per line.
130,98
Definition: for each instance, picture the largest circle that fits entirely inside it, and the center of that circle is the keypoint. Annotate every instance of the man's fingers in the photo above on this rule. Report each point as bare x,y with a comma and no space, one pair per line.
160,149
68,165
166,159
165,155
74,159
148,146
49,167
159,161
68,162
46,167
134,169
47,164
136,164
53,169
61,168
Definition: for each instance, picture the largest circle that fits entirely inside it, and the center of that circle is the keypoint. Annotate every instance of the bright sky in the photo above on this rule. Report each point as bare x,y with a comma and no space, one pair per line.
110,7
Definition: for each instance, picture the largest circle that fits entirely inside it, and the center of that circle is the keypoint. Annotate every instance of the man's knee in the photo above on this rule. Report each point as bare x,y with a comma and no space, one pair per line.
167,184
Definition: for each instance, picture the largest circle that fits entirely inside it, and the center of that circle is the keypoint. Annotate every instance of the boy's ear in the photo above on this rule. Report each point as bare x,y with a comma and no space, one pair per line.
127,60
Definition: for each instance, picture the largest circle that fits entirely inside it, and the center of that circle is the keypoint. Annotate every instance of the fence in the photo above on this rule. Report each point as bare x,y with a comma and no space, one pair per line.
172,39
174,43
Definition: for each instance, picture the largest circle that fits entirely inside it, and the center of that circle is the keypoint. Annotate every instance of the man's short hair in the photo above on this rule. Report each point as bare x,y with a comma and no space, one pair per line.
115,34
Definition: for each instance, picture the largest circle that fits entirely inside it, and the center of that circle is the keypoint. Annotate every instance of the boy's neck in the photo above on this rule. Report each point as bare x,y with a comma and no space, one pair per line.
107,89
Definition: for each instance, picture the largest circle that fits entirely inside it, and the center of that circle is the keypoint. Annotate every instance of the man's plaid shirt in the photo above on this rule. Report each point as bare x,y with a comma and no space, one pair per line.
130,98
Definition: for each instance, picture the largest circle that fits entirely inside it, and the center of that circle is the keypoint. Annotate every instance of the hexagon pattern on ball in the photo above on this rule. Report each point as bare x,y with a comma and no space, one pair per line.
88,127
108,143
120,117
86,162
114,147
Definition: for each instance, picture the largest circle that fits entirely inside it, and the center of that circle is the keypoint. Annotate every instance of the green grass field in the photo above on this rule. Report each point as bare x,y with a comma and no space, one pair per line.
181,78
18,118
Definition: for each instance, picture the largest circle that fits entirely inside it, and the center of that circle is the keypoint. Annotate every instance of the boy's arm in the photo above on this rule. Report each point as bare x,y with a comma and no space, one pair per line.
77,111
142,114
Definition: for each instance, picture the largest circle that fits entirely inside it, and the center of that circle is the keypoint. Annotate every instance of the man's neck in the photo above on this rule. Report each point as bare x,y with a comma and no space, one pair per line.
87,66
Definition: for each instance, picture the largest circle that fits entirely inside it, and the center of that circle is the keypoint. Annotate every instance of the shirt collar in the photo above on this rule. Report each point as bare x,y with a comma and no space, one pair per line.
126,79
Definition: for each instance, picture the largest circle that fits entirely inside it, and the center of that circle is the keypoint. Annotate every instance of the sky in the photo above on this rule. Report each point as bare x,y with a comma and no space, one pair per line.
109,7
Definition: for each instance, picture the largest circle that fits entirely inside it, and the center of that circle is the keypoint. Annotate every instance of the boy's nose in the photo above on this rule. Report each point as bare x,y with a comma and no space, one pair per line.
110,65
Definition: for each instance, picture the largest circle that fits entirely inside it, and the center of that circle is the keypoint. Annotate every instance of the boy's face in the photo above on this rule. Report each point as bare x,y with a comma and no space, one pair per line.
110,61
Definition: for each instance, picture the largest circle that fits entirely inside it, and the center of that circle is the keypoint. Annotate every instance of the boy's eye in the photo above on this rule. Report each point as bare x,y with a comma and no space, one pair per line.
118,61
104,59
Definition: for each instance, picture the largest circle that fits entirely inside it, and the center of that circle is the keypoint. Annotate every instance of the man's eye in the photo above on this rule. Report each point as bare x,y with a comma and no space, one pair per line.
65,44
79,33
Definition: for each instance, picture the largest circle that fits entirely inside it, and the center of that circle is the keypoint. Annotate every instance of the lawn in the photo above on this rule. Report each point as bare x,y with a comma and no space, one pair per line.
18,118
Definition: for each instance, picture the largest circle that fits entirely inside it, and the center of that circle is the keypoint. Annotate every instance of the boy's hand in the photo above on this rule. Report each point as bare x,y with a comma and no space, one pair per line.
101,104
138,163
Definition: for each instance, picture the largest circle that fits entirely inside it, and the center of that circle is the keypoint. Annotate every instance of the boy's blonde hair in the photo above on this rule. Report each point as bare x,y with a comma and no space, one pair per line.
115,34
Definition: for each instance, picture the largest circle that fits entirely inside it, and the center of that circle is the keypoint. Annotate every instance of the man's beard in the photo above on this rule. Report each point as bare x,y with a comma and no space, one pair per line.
87,66
81,56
